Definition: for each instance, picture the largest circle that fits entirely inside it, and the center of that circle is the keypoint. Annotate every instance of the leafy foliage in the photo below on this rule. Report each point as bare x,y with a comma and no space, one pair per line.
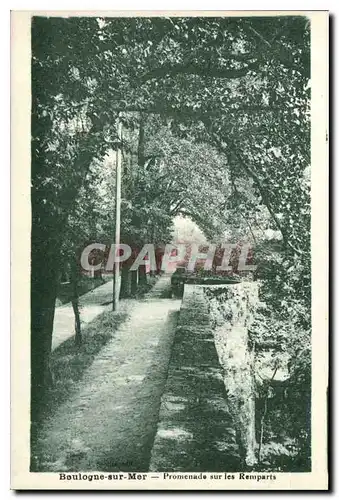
216,126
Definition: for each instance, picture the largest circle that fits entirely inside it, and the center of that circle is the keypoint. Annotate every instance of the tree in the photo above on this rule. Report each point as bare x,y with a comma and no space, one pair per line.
66,136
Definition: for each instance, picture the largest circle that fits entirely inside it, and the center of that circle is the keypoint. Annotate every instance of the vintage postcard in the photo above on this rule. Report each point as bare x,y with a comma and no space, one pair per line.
169,250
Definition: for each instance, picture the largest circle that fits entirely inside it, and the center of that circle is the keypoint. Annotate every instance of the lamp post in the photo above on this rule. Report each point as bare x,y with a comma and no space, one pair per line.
116,276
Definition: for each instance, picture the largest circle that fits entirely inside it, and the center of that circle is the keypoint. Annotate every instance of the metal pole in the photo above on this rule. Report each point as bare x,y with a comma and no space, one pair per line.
116,287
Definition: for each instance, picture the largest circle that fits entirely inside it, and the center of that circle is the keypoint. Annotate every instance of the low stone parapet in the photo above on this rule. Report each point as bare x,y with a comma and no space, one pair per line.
196,431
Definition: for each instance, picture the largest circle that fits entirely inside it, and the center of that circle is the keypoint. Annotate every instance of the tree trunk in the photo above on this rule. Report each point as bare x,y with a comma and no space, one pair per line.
75,301
142,274
44,282
134,282
141,141
159,254
126,282
78,335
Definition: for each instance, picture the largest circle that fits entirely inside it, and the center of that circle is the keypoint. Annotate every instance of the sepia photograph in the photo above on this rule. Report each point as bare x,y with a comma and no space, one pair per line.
170,282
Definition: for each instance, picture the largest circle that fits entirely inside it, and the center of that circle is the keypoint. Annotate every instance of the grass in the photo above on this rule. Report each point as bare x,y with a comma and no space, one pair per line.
68,362
86,284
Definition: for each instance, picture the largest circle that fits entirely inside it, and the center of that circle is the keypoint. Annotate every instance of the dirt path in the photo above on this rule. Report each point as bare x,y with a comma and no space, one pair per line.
111,421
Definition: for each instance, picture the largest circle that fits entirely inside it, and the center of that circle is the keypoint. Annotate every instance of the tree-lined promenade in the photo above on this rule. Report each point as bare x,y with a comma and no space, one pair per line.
211,116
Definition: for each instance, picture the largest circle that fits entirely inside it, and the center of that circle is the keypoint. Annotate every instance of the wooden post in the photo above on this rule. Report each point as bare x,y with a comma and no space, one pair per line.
117,219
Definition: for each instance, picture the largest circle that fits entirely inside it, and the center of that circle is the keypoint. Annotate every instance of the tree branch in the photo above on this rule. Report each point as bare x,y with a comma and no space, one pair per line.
259,35
174,211
260,188
238,196
195,69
